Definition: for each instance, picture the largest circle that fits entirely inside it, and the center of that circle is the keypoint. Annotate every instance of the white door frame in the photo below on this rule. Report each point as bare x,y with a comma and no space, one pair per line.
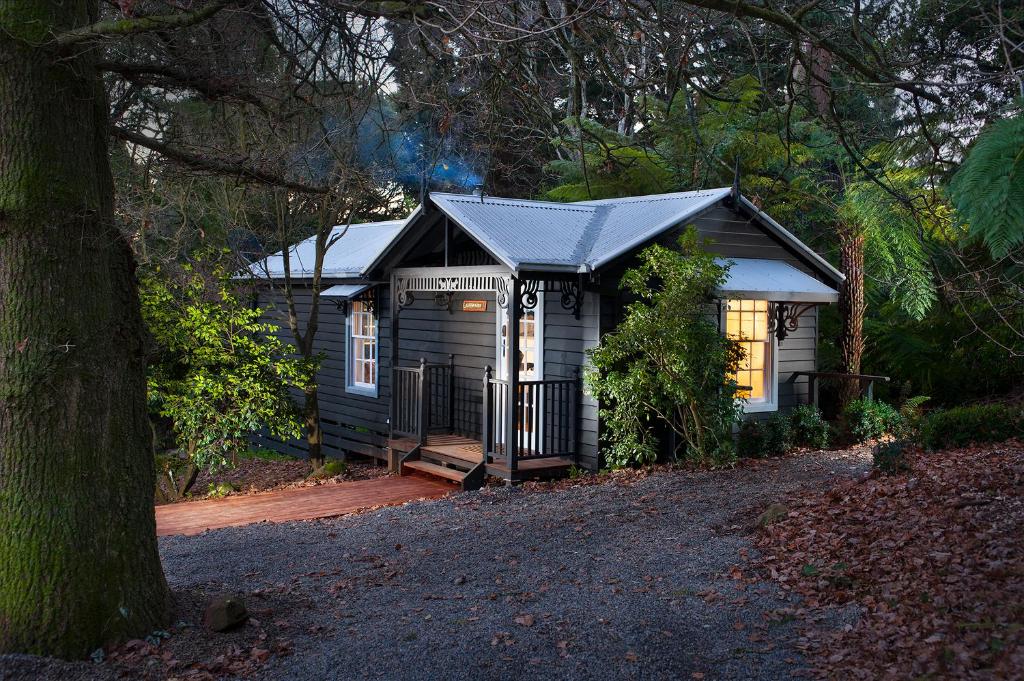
501,345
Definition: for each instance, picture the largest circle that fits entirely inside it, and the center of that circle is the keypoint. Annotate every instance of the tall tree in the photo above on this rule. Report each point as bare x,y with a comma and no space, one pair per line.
78,554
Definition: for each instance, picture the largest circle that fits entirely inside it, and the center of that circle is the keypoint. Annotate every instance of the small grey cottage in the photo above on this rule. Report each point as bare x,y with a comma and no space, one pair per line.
456,337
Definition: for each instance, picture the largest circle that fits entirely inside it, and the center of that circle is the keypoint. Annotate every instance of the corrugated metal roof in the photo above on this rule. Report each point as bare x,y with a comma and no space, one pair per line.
348,257
582,235
773,280
344,291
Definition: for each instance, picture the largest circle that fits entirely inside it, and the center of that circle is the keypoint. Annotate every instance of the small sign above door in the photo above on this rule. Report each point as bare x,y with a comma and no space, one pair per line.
474,306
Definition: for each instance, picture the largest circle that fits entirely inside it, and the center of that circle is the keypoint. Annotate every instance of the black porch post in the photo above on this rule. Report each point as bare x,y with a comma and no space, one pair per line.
512,373
394,356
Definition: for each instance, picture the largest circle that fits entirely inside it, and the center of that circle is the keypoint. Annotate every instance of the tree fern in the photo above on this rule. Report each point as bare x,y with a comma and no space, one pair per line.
896,254
988,190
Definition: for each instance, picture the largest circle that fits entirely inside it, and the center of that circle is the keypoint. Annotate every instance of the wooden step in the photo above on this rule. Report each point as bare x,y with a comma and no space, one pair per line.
434,469
441,457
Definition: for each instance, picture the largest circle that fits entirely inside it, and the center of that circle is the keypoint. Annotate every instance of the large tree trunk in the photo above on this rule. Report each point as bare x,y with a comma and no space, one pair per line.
851,311
78,554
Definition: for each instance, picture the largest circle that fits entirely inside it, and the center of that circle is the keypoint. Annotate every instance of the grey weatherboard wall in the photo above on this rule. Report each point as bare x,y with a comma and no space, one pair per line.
350,422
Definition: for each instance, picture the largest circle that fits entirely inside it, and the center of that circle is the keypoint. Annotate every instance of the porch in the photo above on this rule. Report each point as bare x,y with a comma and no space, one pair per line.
511,421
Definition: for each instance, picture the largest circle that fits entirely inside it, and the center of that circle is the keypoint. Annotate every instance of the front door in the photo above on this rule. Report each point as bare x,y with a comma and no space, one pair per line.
531,366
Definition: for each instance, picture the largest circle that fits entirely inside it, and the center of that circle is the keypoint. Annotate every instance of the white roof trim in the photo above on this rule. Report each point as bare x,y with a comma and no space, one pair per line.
789,237
344,291
775,280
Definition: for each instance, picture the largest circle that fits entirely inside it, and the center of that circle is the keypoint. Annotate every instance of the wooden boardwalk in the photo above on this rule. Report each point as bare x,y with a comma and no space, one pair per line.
306,503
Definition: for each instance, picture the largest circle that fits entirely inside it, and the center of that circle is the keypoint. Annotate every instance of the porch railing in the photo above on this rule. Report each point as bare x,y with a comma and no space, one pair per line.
423,399
544,423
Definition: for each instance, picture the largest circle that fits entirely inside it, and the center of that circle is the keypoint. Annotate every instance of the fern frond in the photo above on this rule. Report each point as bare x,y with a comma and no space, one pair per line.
988,190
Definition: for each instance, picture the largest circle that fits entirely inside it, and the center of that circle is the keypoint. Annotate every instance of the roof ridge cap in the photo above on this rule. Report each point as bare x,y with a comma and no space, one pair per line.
591,232
668,196
550,205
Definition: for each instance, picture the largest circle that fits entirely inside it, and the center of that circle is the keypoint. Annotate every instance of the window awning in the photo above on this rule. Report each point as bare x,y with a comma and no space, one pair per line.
775,280
345,291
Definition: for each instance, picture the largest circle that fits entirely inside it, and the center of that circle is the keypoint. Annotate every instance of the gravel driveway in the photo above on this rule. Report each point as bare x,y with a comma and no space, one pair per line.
638,577
631,579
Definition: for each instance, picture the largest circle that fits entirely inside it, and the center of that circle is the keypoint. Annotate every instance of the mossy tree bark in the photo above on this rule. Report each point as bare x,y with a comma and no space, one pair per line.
78,556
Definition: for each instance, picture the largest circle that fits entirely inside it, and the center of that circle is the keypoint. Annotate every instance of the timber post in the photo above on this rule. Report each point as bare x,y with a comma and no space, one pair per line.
487,431
512,372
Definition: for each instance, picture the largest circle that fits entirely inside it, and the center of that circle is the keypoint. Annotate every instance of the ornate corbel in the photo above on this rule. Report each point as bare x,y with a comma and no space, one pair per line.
784,318
529,295
403,296
501,292
572,296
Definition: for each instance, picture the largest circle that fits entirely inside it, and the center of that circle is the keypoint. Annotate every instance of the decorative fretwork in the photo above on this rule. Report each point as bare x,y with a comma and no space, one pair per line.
501,292
529,295
447,281
403,295
572,296
784,318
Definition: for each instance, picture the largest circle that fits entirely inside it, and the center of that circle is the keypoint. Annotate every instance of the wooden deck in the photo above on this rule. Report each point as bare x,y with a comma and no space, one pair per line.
307,503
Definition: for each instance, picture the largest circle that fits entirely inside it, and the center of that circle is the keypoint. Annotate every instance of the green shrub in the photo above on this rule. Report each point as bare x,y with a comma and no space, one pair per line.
975,423
771,437
890,457
809,427
868,419
665,368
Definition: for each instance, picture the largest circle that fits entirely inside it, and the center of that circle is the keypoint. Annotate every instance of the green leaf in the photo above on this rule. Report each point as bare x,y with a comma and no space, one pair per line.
988,189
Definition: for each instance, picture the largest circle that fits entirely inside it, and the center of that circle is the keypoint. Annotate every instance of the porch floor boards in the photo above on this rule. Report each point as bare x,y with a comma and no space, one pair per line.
453,446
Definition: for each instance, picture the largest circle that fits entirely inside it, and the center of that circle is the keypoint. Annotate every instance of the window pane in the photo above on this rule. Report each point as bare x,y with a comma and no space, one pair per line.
747,322
756,385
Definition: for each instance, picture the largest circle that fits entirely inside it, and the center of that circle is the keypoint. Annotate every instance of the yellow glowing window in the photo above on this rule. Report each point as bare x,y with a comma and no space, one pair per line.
746,322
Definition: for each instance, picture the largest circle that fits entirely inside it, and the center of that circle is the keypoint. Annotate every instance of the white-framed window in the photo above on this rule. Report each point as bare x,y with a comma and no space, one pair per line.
746,323
362,348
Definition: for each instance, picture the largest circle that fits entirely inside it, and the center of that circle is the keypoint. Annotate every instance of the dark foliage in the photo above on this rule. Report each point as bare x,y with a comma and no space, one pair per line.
771,437
809,427
890,457
867,419
975,423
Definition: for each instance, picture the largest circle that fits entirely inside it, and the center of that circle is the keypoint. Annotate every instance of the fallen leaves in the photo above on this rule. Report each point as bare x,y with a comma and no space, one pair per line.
525,620
933,557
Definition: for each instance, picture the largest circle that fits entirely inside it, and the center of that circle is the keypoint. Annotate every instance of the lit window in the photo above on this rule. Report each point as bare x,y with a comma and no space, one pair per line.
362,329
746,322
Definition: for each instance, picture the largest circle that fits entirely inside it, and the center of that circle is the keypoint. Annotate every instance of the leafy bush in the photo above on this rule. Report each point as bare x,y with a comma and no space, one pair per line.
809,427
868,419
218,374
771,437
975,423
890,457
665,367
